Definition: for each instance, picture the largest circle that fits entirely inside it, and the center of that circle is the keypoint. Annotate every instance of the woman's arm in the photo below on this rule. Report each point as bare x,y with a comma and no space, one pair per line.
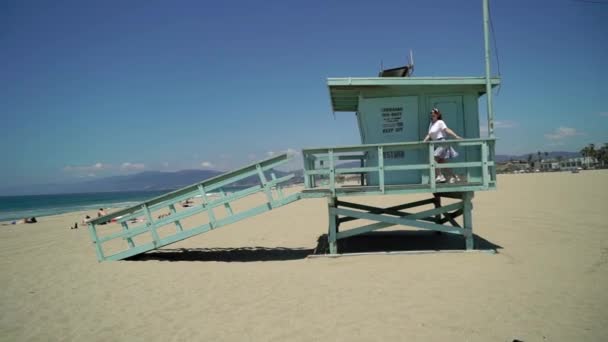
450,132
428,136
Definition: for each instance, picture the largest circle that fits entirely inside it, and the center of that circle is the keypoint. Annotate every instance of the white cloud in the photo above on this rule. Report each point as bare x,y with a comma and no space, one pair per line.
292,152
289,151
562,133
483,127
504,124
207,164
127,166
87,168
165,164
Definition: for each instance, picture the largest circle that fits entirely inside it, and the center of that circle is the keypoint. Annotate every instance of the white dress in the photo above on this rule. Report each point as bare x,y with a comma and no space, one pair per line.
437,133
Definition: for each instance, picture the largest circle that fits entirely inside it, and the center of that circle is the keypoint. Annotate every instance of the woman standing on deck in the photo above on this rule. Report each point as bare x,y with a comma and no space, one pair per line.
438,130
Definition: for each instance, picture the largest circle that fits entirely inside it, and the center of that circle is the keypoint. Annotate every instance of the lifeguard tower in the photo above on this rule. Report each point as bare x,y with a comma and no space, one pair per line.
393,119
392,111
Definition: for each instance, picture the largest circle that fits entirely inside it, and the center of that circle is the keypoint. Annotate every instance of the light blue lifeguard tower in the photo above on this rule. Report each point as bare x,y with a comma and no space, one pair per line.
392,111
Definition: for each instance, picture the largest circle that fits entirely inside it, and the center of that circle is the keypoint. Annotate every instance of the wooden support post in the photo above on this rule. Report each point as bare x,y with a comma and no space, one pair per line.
95,238
278,187
178,224
362,173
125,229
201,189
468,219
307,167
485,177
150,224
227,205
332,173
265,186
332,234
437,204
432,166
381,168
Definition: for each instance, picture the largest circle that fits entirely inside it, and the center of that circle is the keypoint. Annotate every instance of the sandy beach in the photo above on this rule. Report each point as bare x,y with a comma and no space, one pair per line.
251,281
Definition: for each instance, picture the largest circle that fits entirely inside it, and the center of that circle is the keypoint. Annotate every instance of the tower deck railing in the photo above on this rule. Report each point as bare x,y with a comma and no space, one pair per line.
364,169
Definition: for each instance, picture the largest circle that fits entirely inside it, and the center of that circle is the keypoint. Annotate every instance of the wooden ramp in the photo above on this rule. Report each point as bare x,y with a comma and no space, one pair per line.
167,219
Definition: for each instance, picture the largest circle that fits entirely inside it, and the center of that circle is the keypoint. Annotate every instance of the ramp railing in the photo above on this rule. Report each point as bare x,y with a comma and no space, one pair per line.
173,217
331,169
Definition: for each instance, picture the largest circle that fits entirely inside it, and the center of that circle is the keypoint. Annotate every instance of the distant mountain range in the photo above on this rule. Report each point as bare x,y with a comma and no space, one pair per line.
143,181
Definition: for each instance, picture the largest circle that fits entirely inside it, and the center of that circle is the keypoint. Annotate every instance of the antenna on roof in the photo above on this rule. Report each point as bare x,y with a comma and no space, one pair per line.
403,71
410,70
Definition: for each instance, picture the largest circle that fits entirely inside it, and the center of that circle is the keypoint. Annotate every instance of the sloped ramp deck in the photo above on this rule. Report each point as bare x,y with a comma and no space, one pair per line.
115,238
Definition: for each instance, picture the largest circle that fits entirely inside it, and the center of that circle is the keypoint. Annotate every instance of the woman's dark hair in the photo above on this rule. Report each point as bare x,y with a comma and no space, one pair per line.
436,111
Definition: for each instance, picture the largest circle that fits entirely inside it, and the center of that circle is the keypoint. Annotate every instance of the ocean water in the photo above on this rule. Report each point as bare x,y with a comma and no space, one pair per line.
18,207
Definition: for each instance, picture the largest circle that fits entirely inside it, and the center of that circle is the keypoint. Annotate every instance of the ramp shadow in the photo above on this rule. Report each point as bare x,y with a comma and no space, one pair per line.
391,241
403,241
241,254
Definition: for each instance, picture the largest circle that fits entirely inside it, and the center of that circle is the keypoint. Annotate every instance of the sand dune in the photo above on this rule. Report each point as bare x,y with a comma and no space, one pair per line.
251,281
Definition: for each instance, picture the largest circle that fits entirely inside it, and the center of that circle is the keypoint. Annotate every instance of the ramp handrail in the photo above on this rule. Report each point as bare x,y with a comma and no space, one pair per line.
200,189
328,158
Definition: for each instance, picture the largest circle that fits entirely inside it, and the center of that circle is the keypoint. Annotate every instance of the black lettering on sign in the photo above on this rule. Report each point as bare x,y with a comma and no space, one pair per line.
393,155
392,120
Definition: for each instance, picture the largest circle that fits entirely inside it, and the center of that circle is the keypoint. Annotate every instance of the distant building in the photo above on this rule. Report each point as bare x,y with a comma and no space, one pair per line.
512,166
567,164
549,165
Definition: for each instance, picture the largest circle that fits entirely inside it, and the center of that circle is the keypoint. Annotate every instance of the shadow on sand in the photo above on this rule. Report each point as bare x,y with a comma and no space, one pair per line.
391,241
404,241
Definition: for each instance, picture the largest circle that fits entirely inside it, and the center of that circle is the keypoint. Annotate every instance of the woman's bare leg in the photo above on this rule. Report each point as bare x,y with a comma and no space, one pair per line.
438,172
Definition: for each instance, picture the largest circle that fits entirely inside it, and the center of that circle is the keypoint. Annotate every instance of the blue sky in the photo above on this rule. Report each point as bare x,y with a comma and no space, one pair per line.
96,88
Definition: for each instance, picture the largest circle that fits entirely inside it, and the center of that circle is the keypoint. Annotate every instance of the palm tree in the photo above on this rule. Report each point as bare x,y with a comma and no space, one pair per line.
589,152
546,155
529,160
602,155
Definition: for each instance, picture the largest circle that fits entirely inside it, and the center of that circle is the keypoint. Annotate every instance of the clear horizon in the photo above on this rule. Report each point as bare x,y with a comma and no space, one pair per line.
99,89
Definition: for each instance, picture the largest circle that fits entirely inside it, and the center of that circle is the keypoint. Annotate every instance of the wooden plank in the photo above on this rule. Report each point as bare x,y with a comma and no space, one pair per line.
277,187
125,229
394,210
205,205
432,169
485,177
381,168
333,226
437,204
178,224
96,242
227,204
387,221
407,167
356,169
197,230
265,186
210,185
150,223
189,212
332,172
467,219
372,147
